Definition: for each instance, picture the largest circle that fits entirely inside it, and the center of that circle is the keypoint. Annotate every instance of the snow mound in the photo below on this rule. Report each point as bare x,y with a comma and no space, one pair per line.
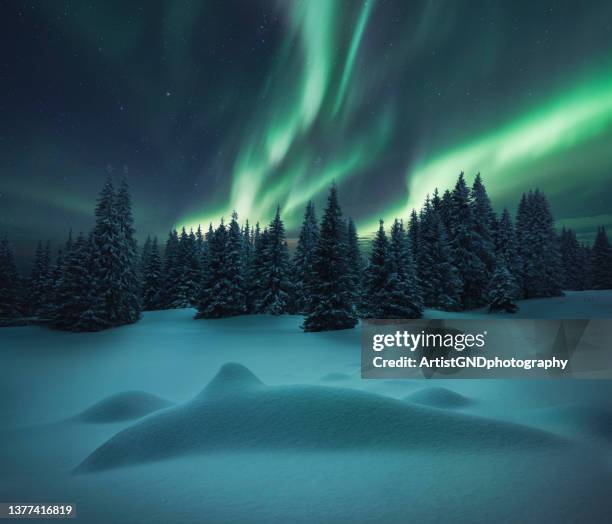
127,405
439,397
335,377
238,412
587,420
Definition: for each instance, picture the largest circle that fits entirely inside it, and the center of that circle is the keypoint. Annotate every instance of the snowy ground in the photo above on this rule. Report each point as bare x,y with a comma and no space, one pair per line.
311,442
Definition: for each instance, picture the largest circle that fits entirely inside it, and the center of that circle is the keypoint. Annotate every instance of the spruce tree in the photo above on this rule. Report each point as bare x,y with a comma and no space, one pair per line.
9,283
407,294
503,289
108,259
573,261
379,279
355,261
505,244
255,282
413,234
77,307
538,248
174,293
331,297
439,280
128,311
389,282
39,284
277,288
467,247
484,225
219,294
303,258
234,259
152,282
601,261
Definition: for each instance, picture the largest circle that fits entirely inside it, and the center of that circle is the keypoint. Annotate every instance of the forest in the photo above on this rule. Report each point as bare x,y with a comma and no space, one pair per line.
453,254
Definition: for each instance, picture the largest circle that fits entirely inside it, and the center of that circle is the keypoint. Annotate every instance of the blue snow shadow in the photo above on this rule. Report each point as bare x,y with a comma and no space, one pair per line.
236,411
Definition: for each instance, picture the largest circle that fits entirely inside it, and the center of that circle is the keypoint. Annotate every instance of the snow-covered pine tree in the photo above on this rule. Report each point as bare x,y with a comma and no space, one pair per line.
573,261
152,281
277,287
255,287
39,282
144,257
331,297
379,279
218,294
538,247
234,269
407,294
173,292
601,261
389,282
503,289
467,246
9,283
413,235
190,269
302,259
355,261
446,210
505,244
77,307
484,225
438,278
128,311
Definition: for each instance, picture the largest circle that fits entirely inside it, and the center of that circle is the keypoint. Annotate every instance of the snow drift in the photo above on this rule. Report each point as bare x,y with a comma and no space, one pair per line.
438,397
127,405
236,411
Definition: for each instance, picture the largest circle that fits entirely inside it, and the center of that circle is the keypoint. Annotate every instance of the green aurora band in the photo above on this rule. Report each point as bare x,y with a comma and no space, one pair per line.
304,137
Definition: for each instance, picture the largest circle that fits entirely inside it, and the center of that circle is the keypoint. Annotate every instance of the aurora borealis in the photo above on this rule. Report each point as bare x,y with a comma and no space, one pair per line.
210,107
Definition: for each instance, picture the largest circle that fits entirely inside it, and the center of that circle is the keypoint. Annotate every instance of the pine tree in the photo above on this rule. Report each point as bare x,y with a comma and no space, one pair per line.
331,297
188,270
129,309
76,307
355,261
467,246
538,248
9,283
236,296
221,294
503,289
174,295
389,281
277,288
152,282
573,261
108,258
601,261
505,244
303,258
39,284
407,293
378,278
413,234
484,225
438,278
255,282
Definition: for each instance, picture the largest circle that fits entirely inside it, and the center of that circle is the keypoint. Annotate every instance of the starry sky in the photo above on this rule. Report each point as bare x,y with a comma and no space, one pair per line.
211,106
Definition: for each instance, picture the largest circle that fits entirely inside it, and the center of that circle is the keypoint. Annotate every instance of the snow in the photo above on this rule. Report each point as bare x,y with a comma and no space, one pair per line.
290,432
439,398
122,406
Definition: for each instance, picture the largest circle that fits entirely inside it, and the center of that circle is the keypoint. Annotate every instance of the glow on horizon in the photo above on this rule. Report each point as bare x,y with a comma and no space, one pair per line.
549,129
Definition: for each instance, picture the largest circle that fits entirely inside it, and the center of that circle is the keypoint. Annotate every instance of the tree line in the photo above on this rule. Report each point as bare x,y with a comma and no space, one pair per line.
454,254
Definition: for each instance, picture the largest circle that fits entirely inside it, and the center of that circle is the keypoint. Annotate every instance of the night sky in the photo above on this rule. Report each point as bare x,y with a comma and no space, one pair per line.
210,106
